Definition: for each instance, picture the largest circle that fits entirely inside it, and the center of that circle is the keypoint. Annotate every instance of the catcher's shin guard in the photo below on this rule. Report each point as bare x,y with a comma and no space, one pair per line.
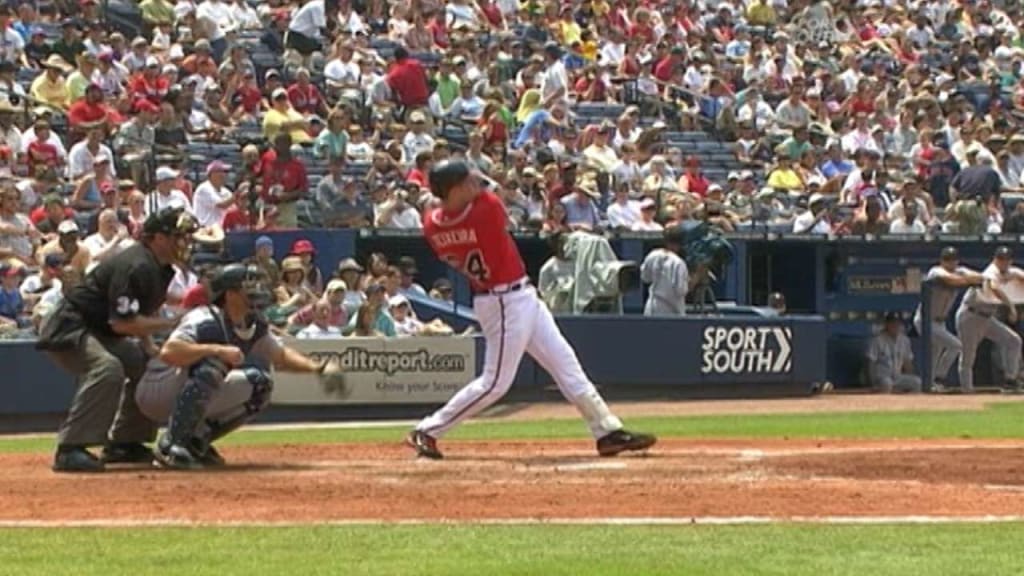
192,401
224,424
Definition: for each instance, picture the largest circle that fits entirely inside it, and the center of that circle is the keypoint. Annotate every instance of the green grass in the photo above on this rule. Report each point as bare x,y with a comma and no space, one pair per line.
961,550
784,550
996,421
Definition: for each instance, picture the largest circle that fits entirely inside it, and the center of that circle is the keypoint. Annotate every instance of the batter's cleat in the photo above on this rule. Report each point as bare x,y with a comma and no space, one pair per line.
126,453
176,457
76,459
424,444
624,441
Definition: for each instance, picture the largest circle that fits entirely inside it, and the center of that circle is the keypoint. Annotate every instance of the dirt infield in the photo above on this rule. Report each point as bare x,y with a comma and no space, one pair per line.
506,480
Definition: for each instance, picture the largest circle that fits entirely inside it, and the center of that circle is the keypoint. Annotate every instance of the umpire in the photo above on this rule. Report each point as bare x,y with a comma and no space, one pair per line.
101,334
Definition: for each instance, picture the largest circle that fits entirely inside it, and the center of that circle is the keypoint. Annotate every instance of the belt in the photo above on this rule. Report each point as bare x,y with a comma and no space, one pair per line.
504,288
978,312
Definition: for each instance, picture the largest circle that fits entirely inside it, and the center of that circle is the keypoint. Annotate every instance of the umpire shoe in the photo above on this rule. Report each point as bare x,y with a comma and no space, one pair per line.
127,453
76,459
624,441
424,444
176,457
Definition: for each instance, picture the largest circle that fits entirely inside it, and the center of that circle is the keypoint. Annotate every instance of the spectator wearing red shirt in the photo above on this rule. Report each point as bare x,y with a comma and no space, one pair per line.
305,97
40,155
48,216
693,181
667,66
641,27
438,29
149,83
247,98
90,111
408,80
284,181
238,216
418,174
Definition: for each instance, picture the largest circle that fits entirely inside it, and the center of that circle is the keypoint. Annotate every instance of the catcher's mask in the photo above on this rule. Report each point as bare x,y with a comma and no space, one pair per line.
250,281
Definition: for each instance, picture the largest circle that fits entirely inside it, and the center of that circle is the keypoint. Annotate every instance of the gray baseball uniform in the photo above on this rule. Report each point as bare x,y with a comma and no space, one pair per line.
669,278
158,390
888,356
976,321
945,346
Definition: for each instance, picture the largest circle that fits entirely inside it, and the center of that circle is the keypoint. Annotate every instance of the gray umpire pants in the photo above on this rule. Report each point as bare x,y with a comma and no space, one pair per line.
157,393
946,347
973,328
104,410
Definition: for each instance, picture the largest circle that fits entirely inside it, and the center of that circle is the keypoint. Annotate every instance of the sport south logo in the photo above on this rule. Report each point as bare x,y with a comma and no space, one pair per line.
747,350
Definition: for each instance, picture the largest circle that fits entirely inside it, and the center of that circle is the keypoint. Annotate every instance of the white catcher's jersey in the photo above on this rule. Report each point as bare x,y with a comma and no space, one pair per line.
669,278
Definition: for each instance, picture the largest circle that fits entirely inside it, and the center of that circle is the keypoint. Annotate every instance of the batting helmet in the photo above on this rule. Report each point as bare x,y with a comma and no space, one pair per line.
447,175
950,253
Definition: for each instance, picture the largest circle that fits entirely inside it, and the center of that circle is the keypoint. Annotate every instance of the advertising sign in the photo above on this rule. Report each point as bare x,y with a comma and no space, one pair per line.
746,350
425,370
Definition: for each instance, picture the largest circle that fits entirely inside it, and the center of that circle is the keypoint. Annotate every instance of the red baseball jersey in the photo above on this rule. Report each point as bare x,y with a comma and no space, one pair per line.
476,242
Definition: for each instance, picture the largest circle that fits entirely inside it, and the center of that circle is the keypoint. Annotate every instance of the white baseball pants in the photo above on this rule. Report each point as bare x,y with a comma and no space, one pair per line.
946,348
972,329
514,323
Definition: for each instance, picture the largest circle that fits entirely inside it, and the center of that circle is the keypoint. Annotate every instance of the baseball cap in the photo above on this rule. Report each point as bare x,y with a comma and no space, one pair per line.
279,93
8,271
67,227
217,166
53,261
1004,252
336,286
397,300
647,203
950,253
349,264
264,241
100,158
166,173
152,62
303,246
407,265
815,198
442,285
892,317
374,288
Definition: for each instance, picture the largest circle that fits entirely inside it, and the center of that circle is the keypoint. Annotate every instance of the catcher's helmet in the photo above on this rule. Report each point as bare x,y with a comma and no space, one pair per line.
240,277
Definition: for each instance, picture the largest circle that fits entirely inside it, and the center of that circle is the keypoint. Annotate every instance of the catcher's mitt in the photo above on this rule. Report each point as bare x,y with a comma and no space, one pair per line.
332,378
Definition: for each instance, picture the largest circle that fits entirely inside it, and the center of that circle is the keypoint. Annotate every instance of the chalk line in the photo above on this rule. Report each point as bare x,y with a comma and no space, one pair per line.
525,521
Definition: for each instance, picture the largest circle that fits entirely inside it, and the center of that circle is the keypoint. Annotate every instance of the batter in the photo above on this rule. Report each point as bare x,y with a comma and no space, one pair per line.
469,232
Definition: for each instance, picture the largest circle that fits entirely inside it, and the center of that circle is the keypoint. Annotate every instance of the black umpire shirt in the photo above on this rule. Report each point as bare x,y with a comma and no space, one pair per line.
129,284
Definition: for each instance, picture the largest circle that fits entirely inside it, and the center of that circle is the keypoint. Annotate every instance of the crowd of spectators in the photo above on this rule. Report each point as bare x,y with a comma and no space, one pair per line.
846,117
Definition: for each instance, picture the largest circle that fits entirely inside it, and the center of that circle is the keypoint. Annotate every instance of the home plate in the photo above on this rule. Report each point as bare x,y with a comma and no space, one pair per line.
584,466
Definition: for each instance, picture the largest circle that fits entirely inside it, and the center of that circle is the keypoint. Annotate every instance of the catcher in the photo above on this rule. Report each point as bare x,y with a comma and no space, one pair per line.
214,372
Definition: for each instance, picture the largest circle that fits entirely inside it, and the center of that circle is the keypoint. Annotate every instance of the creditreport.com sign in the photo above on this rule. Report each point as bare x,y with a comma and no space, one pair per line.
746,350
